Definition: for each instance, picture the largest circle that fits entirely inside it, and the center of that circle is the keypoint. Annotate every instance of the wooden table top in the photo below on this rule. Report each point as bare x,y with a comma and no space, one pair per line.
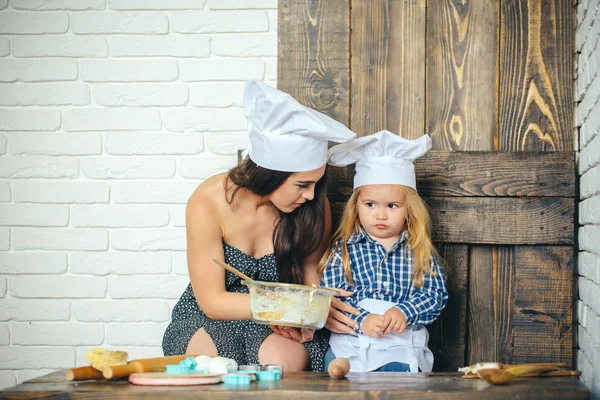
310,385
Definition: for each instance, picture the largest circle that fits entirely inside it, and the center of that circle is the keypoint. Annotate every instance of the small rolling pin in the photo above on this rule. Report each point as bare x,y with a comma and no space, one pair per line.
157,364
84,373
338,368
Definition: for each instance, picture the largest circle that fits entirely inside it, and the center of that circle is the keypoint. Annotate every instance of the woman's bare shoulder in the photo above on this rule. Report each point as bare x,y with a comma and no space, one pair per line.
209,196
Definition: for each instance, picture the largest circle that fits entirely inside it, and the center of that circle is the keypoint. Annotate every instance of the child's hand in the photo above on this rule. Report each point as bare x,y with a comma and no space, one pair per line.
394,321
372,325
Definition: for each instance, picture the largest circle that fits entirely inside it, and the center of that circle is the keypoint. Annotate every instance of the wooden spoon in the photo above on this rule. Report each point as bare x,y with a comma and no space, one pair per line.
233,270
472,369
540,365
503,376
534,375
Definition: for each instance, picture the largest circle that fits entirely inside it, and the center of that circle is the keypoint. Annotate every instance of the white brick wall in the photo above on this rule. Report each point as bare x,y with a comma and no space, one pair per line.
111,114
587,95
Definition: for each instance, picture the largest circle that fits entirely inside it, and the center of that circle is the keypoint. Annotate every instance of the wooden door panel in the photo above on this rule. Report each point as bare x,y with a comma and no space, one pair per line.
481,174
481,328
494,220
448,334
462,46
313,63
490,220
388,71
536,75
491,82
534,303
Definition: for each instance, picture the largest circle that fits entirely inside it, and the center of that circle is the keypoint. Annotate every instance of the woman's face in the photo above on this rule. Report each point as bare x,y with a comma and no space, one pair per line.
296,190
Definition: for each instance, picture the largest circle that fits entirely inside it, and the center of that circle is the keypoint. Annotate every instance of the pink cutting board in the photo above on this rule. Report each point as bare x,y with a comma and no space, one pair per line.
164,379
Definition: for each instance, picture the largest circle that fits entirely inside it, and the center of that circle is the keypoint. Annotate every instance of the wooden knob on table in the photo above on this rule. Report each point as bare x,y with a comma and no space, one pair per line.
338,368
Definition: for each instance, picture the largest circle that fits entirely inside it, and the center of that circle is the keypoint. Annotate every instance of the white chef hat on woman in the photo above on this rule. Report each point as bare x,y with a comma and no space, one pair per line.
381,159
284,134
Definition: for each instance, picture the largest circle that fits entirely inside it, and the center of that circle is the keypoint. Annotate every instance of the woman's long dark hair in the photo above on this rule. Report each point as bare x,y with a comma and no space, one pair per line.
297,234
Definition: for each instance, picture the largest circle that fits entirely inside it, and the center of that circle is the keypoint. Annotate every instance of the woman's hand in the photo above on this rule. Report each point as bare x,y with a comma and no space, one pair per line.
337,321
300,335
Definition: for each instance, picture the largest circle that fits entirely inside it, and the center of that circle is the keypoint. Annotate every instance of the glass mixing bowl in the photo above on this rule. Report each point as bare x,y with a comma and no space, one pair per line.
286,304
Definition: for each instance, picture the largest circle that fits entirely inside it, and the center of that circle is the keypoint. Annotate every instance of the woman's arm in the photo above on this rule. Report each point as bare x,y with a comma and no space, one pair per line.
311,277
337,321
205,243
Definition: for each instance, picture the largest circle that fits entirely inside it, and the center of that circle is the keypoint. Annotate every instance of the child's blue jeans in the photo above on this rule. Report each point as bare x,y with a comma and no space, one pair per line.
389,367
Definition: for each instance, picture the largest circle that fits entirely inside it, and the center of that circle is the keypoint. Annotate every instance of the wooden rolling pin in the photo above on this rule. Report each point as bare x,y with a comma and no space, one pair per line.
84,373
338,368
157,364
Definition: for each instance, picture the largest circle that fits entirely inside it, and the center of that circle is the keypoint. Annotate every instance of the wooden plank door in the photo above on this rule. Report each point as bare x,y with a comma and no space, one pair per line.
490,81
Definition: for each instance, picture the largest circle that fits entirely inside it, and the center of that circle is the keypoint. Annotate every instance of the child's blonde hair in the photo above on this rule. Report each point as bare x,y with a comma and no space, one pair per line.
419,225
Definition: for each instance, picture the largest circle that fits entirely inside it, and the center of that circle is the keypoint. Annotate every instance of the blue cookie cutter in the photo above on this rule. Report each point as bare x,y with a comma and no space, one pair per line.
177,369
184,367
268,375
236,379
189,362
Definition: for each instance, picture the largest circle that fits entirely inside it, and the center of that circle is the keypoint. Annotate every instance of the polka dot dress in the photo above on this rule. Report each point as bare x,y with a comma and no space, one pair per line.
236,339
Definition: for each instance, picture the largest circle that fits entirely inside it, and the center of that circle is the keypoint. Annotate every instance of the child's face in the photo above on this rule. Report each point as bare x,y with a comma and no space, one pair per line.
382,211
296,190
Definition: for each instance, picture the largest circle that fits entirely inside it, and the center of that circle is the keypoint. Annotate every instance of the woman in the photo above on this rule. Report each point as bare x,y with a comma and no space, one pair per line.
270,219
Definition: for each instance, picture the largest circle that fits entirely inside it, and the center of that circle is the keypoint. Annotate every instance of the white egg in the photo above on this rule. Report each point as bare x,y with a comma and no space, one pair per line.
202,362
222,365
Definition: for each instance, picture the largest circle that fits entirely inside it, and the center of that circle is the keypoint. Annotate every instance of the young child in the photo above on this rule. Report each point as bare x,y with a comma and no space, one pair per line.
382,252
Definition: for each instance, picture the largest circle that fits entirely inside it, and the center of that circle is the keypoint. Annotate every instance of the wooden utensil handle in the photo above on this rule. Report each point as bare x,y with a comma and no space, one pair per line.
555,373
541,365
233,270
530,369
83,373
540,374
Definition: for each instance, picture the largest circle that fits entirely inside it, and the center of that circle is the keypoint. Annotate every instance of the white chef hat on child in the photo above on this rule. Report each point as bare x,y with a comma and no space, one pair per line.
284,134
381,159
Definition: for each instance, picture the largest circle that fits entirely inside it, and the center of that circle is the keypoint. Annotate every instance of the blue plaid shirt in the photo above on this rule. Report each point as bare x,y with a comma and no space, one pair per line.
386,275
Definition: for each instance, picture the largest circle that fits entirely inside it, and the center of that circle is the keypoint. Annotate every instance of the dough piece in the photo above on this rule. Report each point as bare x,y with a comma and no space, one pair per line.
100,358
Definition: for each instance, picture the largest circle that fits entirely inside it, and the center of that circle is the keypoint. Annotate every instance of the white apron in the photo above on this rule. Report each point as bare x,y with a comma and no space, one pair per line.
367,354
